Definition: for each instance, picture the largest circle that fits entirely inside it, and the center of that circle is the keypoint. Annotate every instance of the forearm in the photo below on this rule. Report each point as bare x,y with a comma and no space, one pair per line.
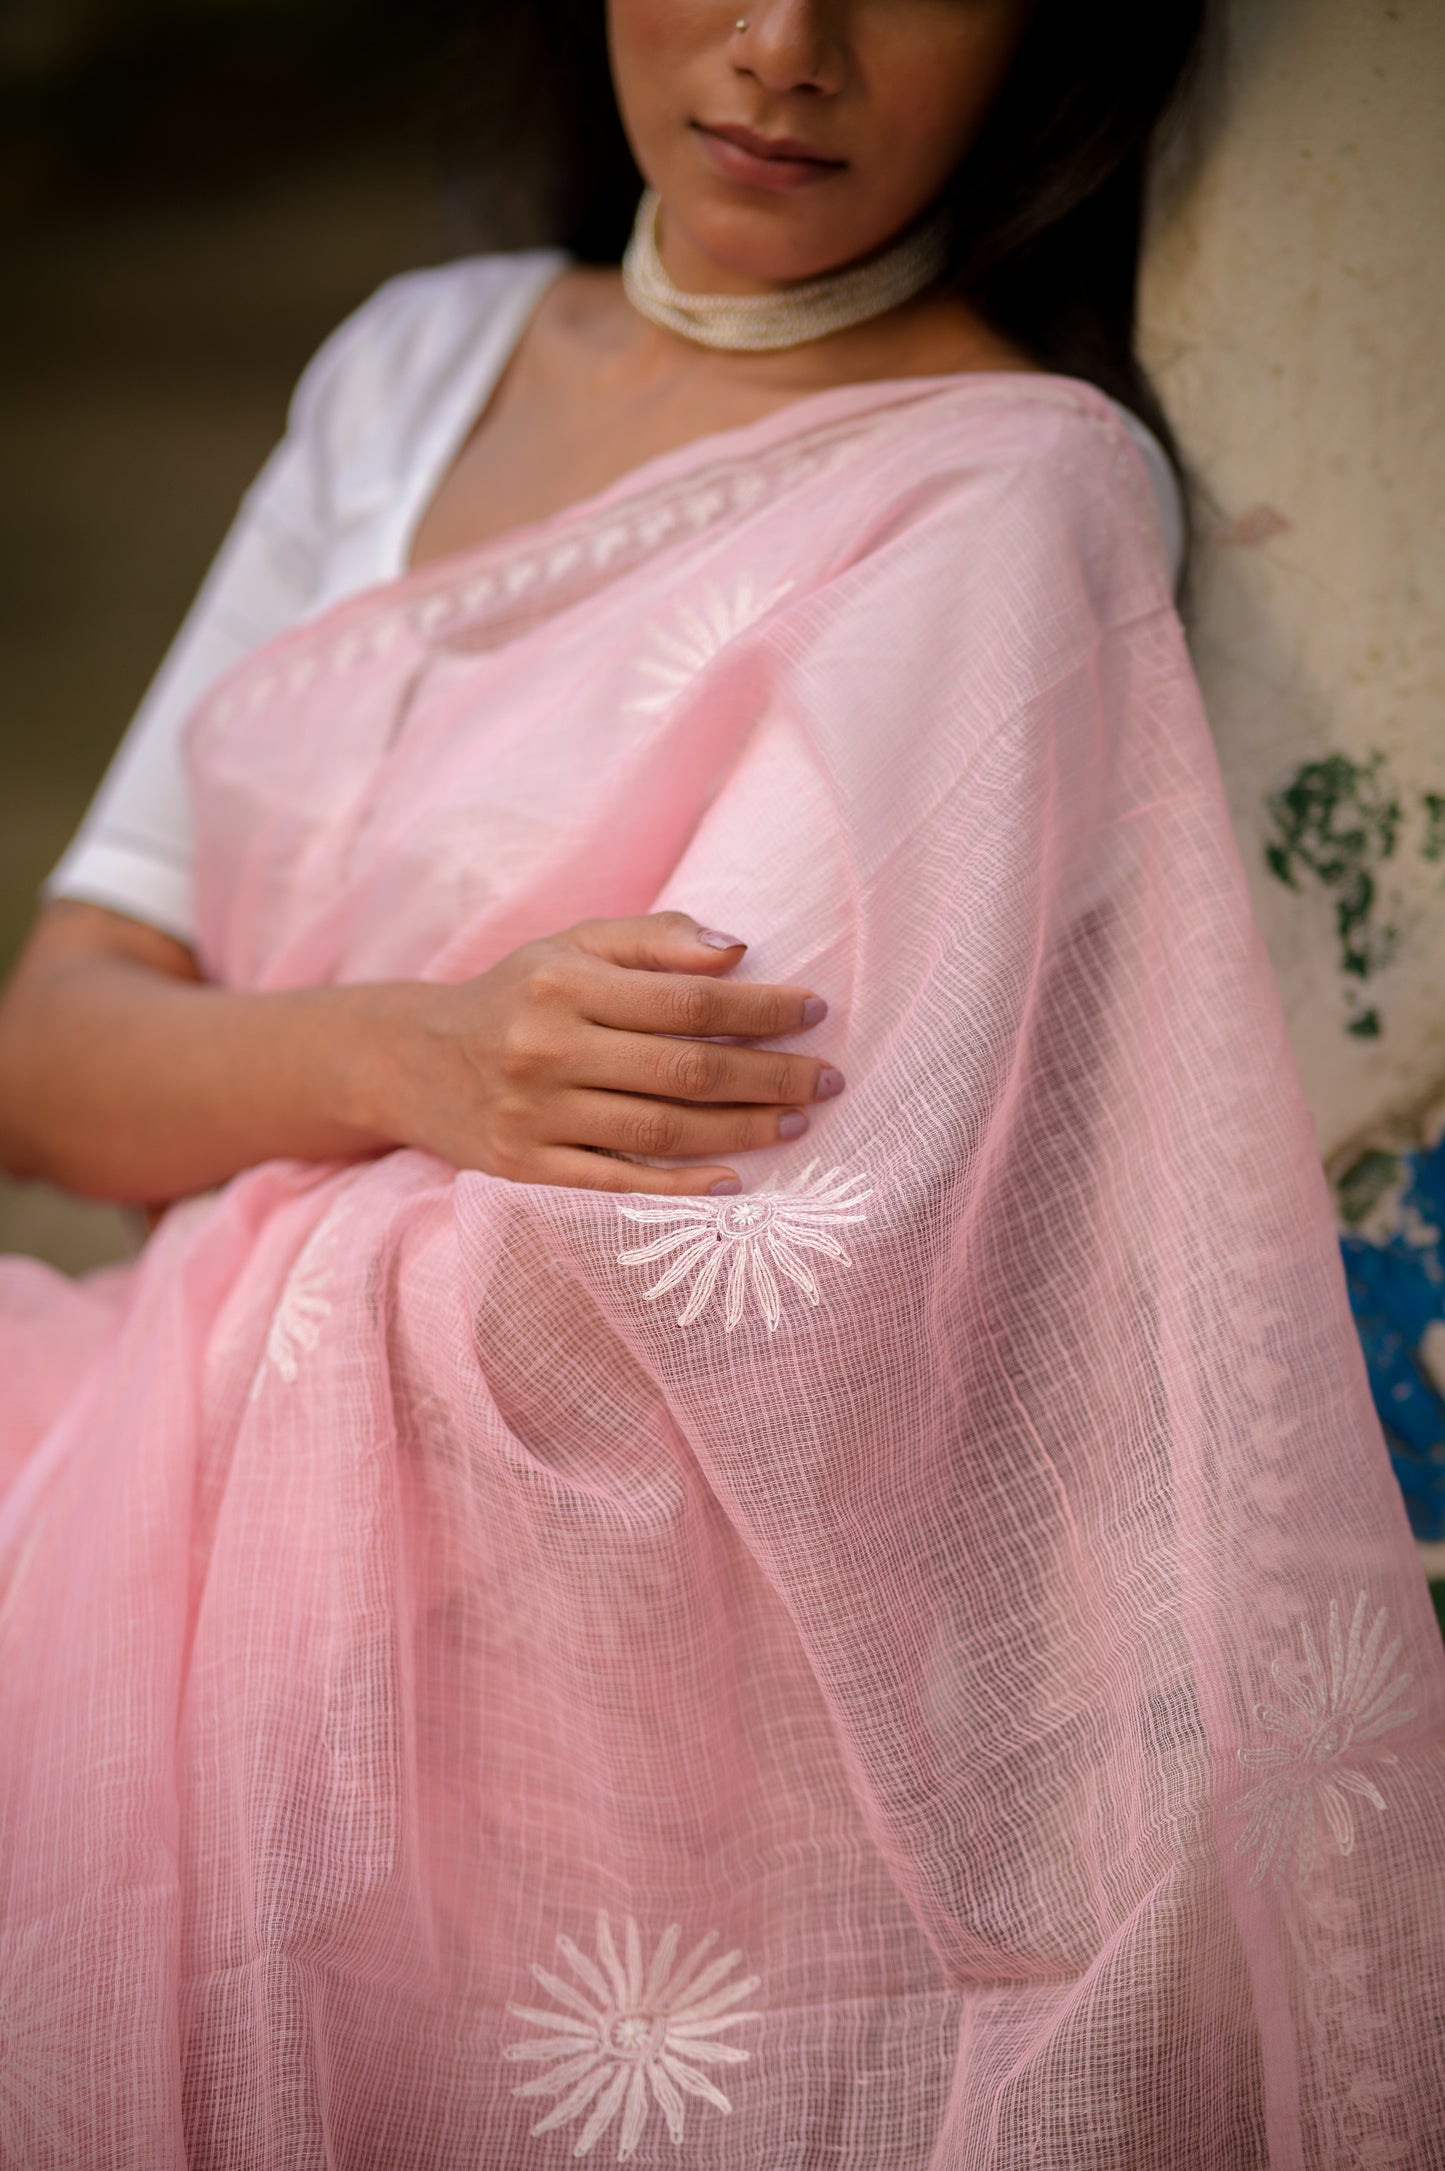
578,1058
124,1083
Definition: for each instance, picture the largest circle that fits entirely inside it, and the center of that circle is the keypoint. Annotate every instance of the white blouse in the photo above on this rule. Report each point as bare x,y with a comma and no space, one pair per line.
378,416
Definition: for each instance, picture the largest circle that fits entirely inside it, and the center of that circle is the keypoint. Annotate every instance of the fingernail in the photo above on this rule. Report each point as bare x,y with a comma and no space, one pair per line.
814,1010
793,1124
715,941
829,1083
724,1187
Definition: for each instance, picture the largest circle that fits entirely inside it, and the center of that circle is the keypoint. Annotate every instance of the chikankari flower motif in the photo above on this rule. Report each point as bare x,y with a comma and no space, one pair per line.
740,1241
698,634
303,1309
1336,1702
636,2034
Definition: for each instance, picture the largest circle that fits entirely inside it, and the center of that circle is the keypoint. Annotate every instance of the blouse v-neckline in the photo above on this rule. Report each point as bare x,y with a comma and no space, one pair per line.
536,272
533,276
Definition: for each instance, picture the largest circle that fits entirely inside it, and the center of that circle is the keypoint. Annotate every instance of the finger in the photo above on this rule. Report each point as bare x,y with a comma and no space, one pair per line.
662,1067
579,1170
659,942
683,1003
627,1123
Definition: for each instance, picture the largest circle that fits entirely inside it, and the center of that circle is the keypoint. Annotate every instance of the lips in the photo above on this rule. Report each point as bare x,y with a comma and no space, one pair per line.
749,160
779,150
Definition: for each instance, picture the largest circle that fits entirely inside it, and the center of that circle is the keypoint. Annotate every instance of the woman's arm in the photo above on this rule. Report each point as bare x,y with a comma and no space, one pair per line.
123,1076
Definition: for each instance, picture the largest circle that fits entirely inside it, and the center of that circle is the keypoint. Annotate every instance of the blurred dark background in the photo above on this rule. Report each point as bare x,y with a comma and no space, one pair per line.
192,193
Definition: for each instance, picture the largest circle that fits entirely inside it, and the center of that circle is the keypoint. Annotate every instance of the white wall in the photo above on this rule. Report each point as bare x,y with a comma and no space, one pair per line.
1294,315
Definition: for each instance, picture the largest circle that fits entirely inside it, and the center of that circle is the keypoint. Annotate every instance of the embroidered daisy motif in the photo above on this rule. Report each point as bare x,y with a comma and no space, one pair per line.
304,1307
1335,1702
740,1242
699,633
633,2036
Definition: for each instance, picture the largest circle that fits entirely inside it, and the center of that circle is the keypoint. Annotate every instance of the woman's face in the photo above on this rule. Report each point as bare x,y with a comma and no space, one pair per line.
878,100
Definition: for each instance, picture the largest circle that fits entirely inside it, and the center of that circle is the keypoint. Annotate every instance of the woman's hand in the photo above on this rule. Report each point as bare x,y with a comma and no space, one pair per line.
601,1042
125,1076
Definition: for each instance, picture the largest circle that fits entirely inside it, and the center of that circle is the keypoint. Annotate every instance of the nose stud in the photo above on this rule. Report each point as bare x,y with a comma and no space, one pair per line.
741,24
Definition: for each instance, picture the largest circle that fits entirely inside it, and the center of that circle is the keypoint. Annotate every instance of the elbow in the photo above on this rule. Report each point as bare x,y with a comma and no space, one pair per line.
68,1017
27,1153
40,1140
19,1158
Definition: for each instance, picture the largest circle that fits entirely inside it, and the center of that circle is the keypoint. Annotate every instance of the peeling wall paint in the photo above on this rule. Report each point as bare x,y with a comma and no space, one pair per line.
1336,821
1390,1201
1294,315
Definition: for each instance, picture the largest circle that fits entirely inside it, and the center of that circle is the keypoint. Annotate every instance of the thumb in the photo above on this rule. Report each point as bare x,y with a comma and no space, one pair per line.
660,942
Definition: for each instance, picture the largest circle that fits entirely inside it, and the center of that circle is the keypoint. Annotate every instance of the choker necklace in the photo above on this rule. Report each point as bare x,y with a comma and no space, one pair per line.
794,314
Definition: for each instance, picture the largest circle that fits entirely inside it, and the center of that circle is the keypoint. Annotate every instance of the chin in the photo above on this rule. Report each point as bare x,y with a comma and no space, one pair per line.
778,240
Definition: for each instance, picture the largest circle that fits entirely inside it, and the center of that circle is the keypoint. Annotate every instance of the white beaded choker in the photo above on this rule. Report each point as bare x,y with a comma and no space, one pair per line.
810,310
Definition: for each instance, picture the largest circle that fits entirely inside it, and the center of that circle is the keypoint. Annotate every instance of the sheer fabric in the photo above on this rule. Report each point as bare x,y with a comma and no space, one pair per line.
922,1664
378,417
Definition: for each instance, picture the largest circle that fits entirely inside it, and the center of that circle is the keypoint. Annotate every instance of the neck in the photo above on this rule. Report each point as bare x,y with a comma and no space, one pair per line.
789,315
937,334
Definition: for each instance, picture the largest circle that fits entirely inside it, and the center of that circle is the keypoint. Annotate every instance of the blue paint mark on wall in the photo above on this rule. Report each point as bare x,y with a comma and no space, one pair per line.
1391,1206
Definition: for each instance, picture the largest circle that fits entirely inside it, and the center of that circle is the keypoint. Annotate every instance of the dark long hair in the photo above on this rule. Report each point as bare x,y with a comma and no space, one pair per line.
1048,205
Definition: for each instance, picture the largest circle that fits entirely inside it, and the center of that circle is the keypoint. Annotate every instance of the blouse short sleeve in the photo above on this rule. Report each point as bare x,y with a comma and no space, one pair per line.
133,850
375,418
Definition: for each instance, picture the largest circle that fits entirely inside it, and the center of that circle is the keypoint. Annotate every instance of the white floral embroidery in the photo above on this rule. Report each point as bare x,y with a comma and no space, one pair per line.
494,590
698,635
304,1306
642,2027
1338,1701
750,1236
651,531
562,560
434,612
473,595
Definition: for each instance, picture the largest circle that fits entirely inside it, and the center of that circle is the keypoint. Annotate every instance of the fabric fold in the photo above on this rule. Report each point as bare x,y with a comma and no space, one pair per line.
922,1663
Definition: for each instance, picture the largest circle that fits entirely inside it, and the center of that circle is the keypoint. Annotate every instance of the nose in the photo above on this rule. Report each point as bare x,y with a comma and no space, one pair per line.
791,45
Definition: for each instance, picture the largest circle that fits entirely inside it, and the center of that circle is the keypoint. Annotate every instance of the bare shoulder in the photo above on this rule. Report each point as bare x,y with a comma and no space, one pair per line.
948,337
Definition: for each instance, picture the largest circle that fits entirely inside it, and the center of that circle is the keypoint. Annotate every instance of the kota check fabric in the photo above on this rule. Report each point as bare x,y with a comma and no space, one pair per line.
922,1664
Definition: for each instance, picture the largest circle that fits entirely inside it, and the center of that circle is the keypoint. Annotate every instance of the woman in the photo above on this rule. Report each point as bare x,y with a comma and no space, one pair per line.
543,1616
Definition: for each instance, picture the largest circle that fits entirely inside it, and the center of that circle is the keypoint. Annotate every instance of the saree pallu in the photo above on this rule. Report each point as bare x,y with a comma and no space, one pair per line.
921,1664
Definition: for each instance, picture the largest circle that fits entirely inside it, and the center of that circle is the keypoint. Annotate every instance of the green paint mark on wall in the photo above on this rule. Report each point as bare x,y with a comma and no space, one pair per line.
1337,821
1433,806
1365,1182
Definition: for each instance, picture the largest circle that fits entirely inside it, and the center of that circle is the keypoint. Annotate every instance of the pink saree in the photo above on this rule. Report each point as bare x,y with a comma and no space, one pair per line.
920,1665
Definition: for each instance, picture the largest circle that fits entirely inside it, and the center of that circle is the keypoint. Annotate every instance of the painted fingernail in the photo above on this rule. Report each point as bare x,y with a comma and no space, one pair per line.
814,1010
793,1124
715,941
829,1082
724,1187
